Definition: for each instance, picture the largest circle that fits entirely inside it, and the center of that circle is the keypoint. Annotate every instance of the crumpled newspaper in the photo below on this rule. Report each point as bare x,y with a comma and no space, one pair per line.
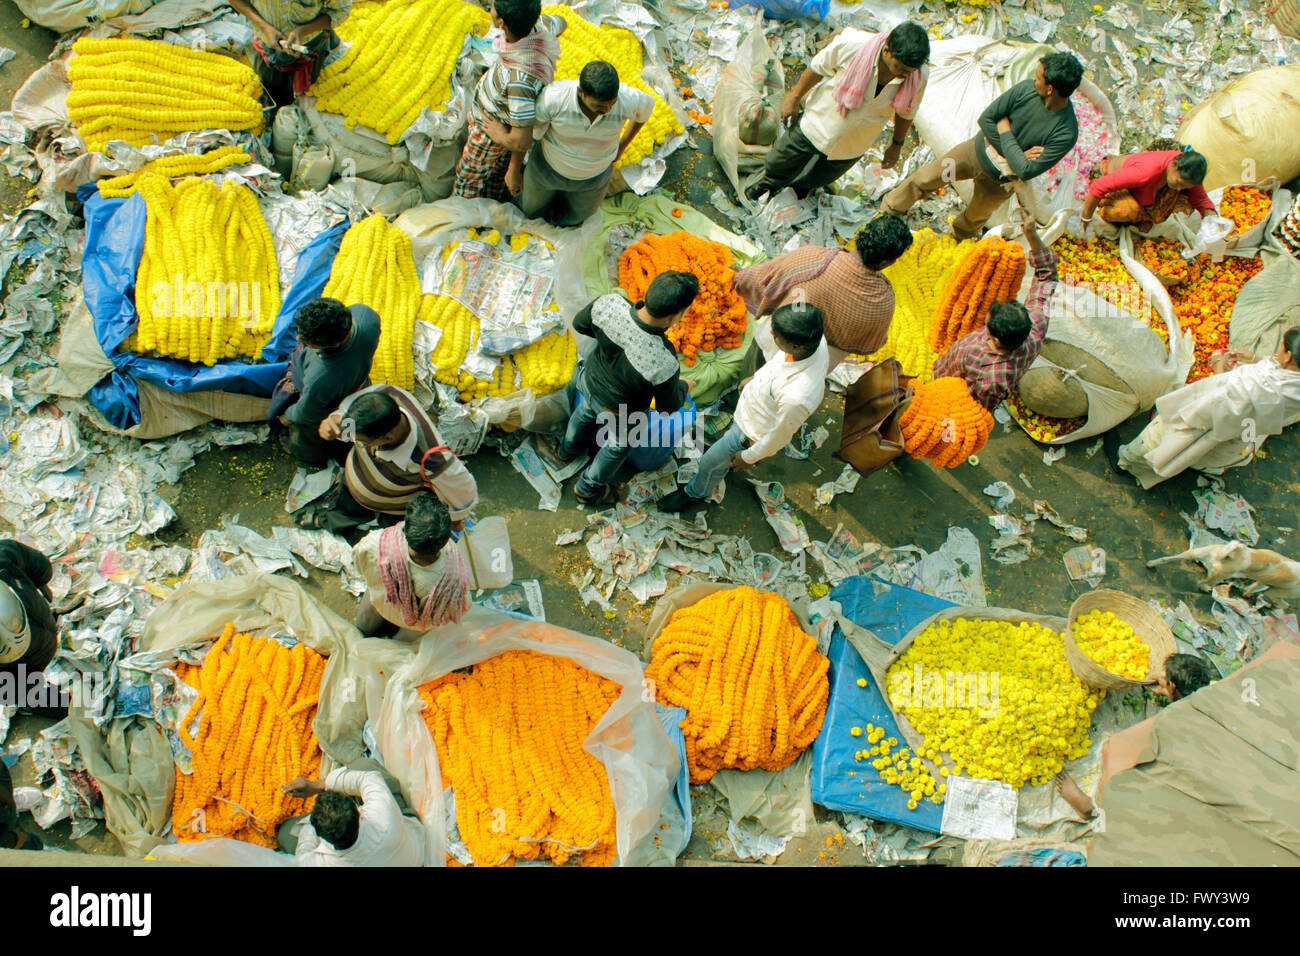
954,572
789,527
842,485
1220,511
1086,563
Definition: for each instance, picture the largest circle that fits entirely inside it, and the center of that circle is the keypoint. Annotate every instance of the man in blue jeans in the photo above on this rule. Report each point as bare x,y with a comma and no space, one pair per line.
773,404
632,366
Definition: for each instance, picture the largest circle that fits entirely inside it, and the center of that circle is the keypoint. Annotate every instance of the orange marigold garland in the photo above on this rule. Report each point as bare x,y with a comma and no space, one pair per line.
991,272
753,683
944,423
717,317
509,736
255,709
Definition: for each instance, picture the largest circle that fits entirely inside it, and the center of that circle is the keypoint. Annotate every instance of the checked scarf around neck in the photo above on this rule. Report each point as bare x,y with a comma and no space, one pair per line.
446,603
536,54
861,74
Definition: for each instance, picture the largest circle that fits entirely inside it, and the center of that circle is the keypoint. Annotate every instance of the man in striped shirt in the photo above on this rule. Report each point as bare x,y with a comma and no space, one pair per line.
503,108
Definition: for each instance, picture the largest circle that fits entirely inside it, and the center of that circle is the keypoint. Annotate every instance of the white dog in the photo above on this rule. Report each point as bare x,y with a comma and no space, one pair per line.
1275,574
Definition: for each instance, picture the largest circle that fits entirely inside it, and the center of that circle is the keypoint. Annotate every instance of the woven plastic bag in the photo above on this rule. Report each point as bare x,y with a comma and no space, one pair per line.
751,84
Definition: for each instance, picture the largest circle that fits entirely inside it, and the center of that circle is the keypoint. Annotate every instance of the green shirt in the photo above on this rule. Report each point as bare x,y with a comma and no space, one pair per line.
1032,124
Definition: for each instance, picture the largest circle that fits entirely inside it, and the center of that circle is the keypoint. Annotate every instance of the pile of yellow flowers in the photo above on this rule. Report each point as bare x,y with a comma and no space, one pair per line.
1113,644
129,89
459,333
208,286
174,167
509,736
900,768
257,701
401,58
997,698
753,683
919,277
375,267
581,42
1042,428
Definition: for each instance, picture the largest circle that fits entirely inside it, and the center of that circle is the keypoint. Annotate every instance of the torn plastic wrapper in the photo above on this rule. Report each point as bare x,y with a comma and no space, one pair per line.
1086,563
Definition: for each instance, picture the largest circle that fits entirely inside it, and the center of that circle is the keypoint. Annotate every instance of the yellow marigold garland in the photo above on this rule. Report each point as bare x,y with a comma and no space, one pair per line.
944,423
753,683
256,705
918,278
174,167
509,736
990,272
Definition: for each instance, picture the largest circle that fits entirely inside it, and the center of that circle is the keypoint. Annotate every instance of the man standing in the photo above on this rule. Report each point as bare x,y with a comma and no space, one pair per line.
1023,133
296,37
857,83
336,347
579,135
633,366
993,359
504,105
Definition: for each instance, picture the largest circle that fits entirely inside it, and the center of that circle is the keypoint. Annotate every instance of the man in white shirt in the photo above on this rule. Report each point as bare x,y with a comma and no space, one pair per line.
582,127
773,404
342,834
848,92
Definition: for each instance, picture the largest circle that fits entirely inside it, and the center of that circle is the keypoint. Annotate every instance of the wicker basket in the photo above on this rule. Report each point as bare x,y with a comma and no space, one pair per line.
1146,623
1285,15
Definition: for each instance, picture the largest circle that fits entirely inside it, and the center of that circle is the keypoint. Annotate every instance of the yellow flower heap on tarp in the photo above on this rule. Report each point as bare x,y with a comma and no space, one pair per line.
249,733
401,58
375,267
135,90
918,278
208,286
900,767
174,167
997,699
583,42
509,736
1113,644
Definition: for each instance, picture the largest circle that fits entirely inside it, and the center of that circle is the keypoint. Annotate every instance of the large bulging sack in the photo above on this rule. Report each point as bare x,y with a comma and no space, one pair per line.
747,106
1247,130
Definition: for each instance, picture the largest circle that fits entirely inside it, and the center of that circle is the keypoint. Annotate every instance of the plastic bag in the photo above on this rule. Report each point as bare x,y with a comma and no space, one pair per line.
63,16
748,91
1211,237
1247,130
222,852
486,549
643,762
1266,307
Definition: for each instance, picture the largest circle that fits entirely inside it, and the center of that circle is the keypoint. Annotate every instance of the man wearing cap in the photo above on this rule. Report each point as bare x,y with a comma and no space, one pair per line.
29,635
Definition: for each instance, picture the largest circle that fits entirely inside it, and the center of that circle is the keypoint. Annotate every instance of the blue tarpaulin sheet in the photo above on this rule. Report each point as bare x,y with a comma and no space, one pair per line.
838,781
114,245
670,718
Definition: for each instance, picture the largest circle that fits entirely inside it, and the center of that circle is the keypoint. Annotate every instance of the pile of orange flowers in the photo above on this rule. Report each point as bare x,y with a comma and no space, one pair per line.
1204,302
991,272
1042,428
1246,206
753,683
257,701
944,423
716,319
509,736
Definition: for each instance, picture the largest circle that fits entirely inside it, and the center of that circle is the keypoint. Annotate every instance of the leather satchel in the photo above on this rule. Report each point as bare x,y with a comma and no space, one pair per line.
870,436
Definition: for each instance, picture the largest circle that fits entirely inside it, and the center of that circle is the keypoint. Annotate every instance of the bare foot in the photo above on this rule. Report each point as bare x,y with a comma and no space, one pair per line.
1075,797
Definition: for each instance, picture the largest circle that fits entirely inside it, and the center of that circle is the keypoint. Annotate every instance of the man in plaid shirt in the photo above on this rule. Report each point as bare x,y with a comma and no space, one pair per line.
993,359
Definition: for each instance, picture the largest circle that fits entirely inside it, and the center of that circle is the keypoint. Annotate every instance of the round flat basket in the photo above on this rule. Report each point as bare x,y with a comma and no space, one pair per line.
1146,623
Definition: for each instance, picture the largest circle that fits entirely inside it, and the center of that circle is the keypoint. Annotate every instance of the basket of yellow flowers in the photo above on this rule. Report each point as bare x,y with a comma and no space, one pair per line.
1116,642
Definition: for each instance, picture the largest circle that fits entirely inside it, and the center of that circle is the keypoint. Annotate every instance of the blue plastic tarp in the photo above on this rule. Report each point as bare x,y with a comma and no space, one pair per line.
675,839
114,245
838,781
791,9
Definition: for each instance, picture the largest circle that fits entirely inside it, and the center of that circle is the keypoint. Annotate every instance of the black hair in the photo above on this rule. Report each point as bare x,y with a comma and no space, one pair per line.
323,322
883,240
1009,323
1291,342
910,43
373,414
800,324
1188,673
670,293
335,819
1062,72
519,16
1192,166
599,80
427,524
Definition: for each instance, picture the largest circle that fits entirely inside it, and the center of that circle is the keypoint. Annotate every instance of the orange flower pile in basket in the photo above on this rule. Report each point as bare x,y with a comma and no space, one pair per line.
991,272
257,701
753,683
1246,206
944,423
509,737
716,319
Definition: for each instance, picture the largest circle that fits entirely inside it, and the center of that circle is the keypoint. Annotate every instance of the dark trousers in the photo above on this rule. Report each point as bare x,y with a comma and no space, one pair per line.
313,452
556,198
794,161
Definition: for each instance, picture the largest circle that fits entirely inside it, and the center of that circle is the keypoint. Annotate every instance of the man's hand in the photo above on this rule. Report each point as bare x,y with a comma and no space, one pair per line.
1033,152
789,106
1028,221
458,525
303,788
495,129
283,420
738,462
890,159
274,39
515,178
331,429
1219,362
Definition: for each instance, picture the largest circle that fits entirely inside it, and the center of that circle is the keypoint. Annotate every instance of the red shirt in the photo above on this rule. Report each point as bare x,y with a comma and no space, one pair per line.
1142,175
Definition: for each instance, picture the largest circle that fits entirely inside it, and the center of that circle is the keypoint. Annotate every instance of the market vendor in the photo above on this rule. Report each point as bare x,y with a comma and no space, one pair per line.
582,127
1219,422
1147,188
504,106
1023,133
854,297
396,454
416,578
992,359
339,832
295,37
336,347
848,92
633,365
773,405
29,634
